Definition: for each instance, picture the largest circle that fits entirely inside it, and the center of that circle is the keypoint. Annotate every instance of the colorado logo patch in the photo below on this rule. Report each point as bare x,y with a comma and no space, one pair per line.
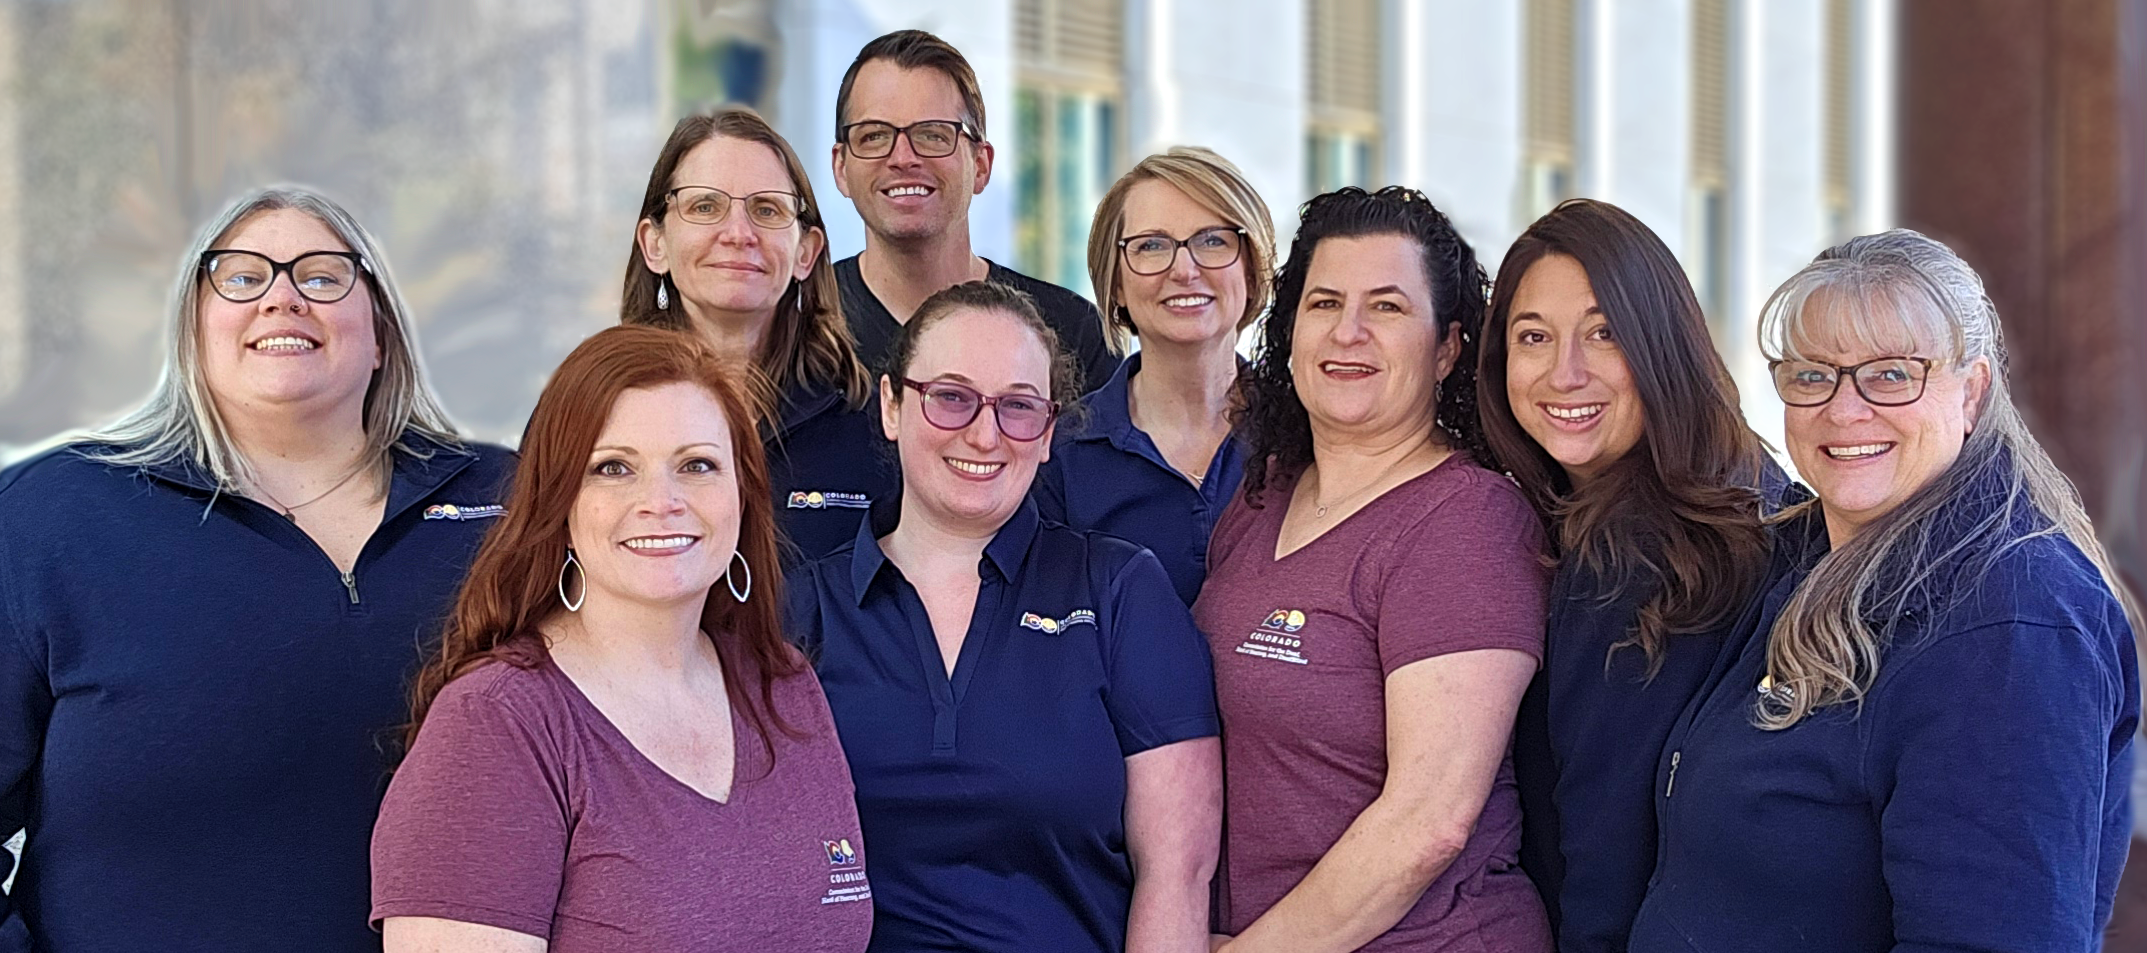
1050,626
451,511
1287,620
839,852
1276,638
822,499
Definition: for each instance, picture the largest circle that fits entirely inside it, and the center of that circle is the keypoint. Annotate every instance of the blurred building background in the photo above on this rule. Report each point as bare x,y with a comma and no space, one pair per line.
498,150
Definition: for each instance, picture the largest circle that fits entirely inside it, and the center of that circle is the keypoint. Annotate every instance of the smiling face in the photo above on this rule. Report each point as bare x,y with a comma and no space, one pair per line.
1566,377
1186,304
903,196
281,352
1863,460
732,267
1365,353
969,480
657,518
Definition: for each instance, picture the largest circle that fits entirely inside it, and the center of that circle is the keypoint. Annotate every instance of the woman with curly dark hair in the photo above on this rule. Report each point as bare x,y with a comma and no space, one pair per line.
1378,571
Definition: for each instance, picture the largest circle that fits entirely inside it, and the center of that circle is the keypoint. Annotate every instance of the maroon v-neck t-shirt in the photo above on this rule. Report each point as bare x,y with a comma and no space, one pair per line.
522,807
1446,562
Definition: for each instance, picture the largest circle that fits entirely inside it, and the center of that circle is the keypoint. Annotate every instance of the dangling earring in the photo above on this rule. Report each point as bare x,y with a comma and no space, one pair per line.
738,558
663,295
573,605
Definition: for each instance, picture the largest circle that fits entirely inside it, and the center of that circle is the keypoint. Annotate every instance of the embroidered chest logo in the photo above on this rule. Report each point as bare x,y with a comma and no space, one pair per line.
822,499
846,881
1276,638
1050,626
451,511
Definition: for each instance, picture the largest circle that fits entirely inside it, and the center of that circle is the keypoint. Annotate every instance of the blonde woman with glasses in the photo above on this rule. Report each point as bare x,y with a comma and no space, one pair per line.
1182,253
1926,742
210,610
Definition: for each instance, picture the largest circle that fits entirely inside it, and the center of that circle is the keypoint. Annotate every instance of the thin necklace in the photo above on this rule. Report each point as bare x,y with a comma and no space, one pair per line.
1321,512
291,512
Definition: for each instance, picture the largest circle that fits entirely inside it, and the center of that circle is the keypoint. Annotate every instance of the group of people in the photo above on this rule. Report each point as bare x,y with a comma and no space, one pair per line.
880,604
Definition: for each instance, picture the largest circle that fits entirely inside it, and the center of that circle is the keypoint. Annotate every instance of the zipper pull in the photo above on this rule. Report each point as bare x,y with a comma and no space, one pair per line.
350,583
1675,756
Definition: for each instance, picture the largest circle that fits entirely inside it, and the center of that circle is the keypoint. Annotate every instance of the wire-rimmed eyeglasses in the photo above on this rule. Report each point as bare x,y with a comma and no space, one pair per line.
952,406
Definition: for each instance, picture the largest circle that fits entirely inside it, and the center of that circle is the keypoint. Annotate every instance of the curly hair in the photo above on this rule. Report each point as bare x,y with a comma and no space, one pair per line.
1273,419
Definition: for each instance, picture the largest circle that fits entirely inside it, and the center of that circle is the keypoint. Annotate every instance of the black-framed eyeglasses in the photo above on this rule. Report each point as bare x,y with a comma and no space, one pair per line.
703,205
322,277
952,406
1881,381
1211,248
929,139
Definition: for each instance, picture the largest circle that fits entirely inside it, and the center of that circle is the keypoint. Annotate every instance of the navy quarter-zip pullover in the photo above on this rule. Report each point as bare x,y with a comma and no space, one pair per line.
1587,737
1978,799
197,707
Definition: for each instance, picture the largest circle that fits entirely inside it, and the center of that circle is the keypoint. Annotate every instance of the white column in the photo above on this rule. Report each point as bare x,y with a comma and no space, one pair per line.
1780,131
1228,78
1649,149
1452,113
1875,90
821,37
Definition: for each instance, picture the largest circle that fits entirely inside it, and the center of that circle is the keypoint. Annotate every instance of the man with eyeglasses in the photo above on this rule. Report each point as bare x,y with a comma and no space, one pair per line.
910,152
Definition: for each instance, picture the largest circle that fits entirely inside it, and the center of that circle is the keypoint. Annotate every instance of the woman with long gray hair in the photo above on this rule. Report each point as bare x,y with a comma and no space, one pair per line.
209,610
1926,742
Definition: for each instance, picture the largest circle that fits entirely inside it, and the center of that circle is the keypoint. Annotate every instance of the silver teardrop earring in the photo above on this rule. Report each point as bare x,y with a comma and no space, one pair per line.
663,295
738,558
573,605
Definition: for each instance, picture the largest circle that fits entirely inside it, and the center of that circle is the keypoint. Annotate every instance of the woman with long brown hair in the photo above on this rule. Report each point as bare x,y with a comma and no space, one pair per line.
615,747
731,247
1602,392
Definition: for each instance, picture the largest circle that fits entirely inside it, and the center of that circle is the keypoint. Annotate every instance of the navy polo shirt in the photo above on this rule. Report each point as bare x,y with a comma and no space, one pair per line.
827,463
1977,798
1120,484
197,709
993,802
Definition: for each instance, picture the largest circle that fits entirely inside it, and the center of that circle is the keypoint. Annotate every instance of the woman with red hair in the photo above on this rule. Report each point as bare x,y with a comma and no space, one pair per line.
615,748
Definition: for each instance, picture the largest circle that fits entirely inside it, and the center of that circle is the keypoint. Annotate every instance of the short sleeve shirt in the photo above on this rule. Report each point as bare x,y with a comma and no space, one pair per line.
1110,477
995,799
1447,562
522,807
1074,319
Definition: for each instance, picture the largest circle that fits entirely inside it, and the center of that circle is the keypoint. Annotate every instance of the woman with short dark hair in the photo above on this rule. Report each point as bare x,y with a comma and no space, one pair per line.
1374,604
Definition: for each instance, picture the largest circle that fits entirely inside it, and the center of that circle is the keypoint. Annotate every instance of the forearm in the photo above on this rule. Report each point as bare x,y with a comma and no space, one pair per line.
1362,887
1174,816
1169,915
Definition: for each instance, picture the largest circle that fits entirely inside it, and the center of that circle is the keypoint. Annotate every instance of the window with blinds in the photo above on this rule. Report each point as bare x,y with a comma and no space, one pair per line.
1076,40
1549,117
1710,92
1070,59
1342,63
